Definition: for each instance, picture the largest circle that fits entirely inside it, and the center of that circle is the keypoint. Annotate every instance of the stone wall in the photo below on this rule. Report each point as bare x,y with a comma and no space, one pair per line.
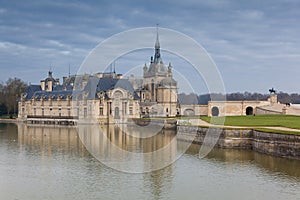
262,111
169,124
197,109
276,144
269,143
234,108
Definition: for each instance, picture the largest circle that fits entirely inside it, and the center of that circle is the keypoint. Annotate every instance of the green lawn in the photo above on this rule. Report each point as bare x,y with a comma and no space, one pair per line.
8,116
289,121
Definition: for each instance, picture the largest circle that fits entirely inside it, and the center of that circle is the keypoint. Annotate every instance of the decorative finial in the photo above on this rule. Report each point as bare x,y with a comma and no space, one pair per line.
69,71
50,67
114,67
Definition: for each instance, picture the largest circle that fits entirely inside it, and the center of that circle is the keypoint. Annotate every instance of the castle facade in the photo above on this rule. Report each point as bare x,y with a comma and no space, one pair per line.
103,97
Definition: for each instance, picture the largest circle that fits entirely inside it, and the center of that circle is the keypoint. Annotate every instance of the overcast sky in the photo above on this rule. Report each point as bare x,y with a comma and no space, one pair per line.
255,44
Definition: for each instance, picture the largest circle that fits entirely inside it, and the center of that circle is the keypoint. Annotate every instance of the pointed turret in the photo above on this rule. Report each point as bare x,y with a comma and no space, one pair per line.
156,67
157,45
157,58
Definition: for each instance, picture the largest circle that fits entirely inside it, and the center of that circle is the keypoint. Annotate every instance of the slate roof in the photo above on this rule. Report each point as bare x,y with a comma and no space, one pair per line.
36,90
54,94
96,85
31,89
93,86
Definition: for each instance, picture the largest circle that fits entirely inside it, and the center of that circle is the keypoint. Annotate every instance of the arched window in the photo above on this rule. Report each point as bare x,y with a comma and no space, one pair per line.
189,112
249,110
215,111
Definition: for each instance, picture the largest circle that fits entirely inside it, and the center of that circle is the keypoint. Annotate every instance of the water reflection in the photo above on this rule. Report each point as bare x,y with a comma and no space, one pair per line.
46,140
271,164
114,147
48,162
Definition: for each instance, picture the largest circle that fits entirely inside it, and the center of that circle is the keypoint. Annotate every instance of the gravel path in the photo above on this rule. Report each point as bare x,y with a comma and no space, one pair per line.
200,122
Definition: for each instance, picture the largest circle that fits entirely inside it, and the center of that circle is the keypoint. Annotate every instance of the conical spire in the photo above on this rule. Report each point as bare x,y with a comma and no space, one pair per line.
157,57
157,66
157,45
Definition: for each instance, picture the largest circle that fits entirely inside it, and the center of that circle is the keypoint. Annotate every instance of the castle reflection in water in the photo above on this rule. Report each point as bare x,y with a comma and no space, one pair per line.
67,136
109,144
48,141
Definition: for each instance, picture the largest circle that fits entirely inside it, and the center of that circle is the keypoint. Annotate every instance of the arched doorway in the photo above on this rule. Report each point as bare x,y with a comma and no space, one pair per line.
249,110
215,111
117,113
189,112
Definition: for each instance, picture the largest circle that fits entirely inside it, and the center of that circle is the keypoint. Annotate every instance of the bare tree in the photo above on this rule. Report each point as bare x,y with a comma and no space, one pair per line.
11,92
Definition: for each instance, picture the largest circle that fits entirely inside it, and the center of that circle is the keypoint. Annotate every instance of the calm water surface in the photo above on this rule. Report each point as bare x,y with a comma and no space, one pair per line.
52,163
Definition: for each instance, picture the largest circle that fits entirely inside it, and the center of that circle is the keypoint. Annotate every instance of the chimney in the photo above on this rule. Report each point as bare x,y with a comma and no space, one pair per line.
119,76
49,83
65,79
57,81
42,85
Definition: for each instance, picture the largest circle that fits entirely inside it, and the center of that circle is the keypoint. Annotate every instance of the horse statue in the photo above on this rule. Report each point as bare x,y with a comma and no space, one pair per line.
272,91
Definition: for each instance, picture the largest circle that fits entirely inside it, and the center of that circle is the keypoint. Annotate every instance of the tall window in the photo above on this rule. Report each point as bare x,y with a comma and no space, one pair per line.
125,108
101,111
152,90
68,101
85,112
110,111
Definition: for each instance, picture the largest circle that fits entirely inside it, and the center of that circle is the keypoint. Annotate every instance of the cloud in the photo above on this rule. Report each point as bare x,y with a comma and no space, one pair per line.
251,38
2,11
251,15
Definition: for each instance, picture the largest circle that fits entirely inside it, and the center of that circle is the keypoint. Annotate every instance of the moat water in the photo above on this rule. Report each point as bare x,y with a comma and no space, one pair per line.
40,162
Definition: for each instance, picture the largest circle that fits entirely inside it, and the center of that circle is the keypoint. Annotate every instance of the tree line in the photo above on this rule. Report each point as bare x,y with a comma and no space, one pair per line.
192,98
10,91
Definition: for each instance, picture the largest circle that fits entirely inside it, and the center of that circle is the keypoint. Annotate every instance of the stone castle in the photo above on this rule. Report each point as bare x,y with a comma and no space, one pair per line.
110,98
105,97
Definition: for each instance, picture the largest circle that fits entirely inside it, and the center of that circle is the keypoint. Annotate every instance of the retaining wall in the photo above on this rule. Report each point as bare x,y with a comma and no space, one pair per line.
269,143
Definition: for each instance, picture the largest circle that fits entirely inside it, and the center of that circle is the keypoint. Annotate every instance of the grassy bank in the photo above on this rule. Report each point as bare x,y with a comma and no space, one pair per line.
8,116
269,130
289,121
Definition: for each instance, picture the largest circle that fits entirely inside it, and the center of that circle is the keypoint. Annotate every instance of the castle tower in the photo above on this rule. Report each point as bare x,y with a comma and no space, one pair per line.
159,87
